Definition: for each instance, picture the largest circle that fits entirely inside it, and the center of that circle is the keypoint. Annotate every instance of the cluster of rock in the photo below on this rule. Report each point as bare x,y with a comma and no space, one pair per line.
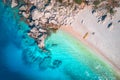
45,15
101,15
43,62
105,11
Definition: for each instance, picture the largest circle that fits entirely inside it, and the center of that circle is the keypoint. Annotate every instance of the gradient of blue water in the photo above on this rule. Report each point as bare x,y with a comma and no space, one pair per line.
13,43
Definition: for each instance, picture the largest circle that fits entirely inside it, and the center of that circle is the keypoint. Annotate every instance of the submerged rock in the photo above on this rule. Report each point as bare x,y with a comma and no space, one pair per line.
56,64
27,56
45,64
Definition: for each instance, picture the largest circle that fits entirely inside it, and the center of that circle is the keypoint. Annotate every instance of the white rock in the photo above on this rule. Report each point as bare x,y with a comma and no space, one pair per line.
48,7
36,22
33,30
42,30
53,21
23,7
71,1
36,15
14,3
41,44
47,15
25,14
43,20
31,23
20,12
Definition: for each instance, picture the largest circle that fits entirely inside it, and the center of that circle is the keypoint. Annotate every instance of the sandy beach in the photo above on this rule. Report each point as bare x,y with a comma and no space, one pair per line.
94,39
99,39
69,30
98,36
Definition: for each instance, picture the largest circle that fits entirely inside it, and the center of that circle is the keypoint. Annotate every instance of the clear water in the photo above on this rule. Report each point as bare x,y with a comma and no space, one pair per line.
78,62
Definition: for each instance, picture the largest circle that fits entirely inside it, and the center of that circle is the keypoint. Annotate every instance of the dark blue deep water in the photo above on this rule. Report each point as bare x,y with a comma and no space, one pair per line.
10,42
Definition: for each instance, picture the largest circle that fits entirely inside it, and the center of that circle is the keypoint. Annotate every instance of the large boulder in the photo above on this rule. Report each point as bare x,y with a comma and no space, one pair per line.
26,15
14,3
23,8
36,15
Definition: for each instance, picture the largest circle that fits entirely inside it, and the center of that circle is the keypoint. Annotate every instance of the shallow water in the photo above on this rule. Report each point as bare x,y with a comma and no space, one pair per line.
21,59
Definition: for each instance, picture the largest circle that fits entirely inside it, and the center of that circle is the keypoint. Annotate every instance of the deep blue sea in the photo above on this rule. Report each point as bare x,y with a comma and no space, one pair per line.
65,58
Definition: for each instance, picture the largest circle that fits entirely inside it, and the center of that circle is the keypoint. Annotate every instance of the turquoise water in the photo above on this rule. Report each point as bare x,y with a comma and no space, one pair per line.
21,59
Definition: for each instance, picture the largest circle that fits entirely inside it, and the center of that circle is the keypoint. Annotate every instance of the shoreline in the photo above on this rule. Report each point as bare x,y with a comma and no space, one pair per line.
76,35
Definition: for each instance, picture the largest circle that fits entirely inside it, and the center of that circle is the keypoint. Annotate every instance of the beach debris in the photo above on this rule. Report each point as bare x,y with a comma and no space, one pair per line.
85,36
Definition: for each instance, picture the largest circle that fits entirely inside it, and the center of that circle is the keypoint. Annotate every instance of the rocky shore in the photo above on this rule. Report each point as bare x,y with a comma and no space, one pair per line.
46,16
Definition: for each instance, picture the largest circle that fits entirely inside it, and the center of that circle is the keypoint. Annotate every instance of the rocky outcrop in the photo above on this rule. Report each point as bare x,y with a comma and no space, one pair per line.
46,15
49,15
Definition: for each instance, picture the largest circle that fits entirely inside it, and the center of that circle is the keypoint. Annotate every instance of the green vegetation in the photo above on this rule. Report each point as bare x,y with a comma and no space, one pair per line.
60,1
97,2
111,11
109,5
78,1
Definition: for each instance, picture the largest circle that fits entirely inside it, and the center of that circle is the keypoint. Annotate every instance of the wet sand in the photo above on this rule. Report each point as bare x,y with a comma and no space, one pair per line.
75,34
